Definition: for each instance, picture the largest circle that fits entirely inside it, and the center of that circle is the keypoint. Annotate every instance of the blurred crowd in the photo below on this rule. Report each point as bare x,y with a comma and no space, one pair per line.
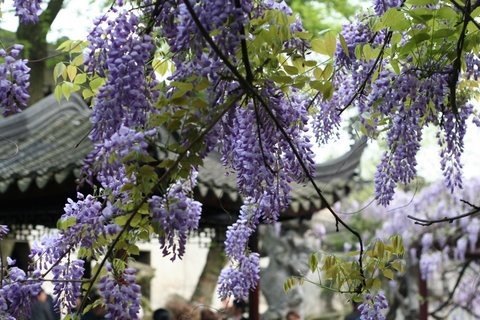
176,308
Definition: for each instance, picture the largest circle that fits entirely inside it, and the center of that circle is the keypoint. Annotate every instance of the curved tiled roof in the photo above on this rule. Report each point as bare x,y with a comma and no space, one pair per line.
47,142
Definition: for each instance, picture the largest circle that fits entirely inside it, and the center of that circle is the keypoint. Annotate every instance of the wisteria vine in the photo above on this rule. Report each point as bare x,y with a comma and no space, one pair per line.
241,81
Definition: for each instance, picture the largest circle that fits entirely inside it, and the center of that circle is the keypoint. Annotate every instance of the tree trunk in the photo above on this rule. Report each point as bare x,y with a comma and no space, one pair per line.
207,282
34,38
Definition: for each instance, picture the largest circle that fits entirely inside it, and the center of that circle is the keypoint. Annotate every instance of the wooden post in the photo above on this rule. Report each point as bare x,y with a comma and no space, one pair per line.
423,291
254,295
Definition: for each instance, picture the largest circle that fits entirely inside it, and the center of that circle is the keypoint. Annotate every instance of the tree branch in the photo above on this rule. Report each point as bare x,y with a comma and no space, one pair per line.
427,222
246,85
457,63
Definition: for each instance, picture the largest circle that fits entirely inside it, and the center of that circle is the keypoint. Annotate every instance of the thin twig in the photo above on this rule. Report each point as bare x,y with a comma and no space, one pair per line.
362,86
450,296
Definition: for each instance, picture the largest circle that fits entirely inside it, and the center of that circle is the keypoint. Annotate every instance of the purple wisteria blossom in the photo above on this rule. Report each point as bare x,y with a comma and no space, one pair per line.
14,76
177,214
17,292
119,52
121,294
373,307
27,10
3,231
68,290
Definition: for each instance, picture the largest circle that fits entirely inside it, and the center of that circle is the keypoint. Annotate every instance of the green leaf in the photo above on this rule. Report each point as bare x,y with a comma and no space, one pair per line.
121,220
96,83
396,38
398,265
80,78
290,69
64,45
317,73
136,220
388,274
370,53
87,93
160,67
183,86
58,70
422,2
344,45
313,262
202,84
71,72
326,45
67,89
133,249
443,33
58,92
450,14
78,61
395,19
395,67
281,79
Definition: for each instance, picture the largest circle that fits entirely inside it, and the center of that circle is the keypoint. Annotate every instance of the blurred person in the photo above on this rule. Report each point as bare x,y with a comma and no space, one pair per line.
42,308
207,314
238,310
293,315
162,314
179,308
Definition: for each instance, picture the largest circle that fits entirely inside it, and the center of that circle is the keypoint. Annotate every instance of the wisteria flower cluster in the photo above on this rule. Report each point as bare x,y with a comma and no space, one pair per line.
17,292
399,94
177,214
27,10
14,76
373,308
121,294
237,83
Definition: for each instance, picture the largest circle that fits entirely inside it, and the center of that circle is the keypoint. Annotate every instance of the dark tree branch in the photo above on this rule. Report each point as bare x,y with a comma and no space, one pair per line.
243,42
427,222
257,116
459,7
457,63
246,85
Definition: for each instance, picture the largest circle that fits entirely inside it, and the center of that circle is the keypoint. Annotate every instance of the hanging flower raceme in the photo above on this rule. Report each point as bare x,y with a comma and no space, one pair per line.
68,289
106,163
3,231
27,10
121,294
398,99
17,292
177,214
373,307
14,76
119,52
